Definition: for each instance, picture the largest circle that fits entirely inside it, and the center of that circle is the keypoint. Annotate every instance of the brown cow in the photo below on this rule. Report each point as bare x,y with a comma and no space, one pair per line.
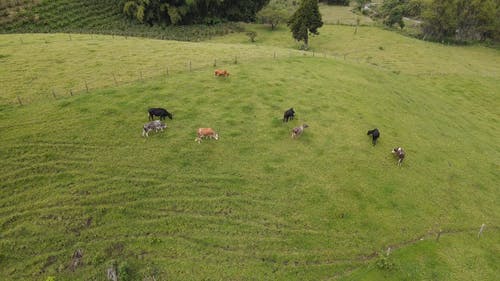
207,133
221,72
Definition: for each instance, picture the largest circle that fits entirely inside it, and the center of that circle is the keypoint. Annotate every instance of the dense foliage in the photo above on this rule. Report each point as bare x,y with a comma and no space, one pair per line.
167,12
392,12
336,2
462,20
458,20
274,13
101,17
307,19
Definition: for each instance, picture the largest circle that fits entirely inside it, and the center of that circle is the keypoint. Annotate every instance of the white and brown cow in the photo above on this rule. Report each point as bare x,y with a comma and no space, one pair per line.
400,154
206,133
297,131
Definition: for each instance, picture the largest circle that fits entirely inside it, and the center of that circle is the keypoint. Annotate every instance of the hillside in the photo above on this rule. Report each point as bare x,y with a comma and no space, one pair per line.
76,173
95,17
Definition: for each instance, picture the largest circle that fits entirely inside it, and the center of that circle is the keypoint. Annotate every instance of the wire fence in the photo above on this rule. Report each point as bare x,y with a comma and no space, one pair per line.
120,77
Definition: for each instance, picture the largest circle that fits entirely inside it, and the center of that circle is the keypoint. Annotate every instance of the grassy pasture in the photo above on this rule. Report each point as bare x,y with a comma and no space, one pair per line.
34,65
384,49
256,205
332,14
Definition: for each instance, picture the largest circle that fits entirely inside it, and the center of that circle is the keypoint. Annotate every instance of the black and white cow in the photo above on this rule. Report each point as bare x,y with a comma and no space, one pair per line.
161,112
400,154
375,135
153,125
288,115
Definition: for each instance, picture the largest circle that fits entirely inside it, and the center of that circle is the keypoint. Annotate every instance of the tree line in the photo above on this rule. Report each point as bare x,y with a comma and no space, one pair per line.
458,20
177,12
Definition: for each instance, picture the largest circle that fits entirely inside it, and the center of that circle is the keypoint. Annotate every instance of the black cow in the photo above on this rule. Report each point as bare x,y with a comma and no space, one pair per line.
161,112
375,134
289,115
400,153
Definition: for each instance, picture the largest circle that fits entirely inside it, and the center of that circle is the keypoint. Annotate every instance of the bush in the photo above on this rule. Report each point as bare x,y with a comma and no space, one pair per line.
124,271
252,35
384,262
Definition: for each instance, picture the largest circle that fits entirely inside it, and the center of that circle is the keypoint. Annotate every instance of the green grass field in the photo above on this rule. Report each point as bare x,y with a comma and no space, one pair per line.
75,172
66,62
332,14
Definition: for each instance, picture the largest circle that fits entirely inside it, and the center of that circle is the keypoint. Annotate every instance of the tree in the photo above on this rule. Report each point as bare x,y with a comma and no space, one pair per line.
461,20
477,19
273,14
414,8
393,11
305,20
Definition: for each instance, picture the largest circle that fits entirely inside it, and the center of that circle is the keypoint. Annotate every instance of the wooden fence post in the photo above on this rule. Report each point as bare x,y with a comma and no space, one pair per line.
86,86
215,62
71,92
481,230
189,66
438,235
19,100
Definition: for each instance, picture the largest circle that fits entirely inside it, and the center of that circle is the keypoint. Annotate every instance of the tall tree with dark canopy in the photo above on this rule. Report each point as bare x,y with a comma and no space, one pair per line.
305,20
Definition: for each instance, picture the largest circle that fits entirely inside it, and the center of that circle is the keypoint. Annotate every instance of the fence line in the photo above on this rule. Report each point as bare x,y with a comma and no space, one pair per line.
87,85
158,71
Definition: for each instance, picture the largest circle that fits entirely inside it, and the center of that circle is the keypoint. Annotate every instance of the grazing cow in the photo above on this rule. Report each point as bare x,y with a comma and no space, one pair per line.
289,115
206,133
153,125
161,112
221,72
375,134
400,153
297,131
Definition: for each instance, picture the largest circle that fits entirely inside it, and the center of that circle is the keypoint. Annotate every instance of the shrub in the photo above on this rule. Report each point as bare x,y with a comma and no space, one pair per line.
124,271
252,35
384,262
